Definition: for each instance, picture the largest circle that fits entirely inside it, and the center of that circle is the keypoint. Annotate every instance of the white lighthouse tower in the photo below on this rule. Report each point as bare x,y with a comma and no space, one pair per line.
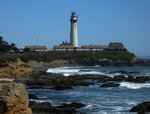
73,32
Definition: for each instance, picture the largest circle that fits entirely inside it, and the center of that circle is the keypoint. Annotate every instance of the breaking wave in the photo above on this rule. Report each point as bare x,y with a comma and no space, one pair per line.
134,85
68,71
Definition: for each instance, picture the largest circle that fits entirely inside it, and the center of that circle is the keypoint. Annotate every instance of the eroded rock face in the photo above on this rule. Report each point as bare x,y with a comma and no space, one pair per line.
13,98
141,108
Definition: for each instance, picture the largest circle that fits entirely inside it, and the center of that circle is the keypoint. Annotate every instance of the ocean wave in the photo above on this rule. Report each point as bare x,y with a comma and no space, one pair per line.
67,71
134,85
88,106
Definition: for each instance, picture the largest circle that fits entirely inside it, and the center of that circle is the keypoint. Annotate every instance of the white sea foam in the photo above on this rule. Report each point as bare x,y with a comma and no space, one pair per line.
67,71
41,101
44,97
88,106
135,85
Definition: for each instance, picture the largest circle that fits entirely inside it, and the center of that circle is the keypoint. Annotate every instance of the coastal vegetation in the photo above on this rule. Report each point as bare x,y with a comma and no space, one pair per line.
5,47
105,58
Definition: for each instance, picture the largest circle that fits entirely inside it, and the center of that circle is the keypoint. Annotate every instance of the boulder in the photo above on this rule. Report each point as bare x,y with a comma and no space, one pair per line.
117,78
74,104
110,85
40,107
141,79
142,107
13,98
85,71
62,87
46,107
32,96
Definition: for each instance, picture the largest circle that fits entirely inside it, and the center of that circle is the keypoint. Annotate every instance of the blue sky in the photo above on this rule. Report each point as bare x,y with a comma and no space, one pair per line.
99,22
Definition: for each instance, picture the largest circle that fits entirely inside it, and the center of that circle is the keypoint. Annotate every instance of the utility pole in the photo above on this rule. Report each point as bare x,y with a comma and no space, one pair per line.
37,40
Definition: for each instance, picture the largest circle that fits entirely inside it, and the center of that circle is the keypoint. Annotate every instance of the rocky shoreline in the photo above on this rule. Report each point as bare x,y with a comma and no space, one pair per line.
38,79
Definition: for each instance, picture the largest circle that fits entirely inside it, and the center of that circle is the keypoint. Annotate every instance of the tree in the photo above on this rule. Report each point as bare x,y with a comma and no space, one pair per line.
5,47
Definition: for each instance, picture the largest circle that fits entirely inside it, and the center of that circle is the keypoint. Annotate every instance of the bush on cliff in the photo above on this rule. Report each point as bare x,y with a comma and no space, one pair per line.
76,57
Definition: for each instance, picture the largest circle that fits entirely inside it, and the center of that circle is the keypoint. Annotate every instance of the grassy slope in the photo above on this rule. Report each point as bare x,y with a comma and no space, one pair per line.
79,57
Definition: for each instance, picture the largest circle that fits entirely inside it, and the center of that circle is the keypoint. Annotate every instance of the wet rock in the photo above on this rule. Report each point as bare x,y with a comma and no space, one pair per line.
102,80
135,72
143,107
39,87
40,107
61,87
46,107
141,79
85,71
82,83
111,72
43,73
13,98
74,104
31,103
110,85
122,72
32,96
92,77
117,78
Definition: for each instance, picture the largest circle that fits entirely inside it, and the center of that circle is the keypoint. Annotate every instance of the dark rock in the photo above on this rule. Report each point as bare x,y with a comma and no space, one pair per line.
93,77
31,103
82,83
117,78
102,80
74,104
135,72
62,87
43,73
41,107
141,79
111,72
143,107
110,85
47,108
36,87
122,72
32,96
39,87
64,110
85,71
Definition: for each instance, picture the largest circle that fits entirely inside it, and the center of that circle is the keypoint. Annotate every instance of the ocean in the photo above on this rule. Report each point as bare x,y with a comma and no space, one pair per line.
98,100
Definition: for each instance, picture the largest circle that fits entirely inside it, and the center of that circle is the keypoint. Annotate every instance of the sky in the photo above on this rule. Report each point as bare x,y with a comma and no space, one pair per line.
99,22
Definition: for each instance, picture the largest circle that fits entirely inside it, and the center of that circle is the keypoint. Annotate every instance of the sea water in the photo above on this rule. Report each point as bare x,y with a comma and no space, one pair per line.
98,100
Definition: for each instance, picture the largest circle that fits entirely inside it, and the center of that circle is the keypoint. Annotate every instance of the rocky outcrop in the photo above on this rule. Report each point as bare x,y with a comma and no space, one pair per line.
16,69
13,98
46,107
110,85
141,108
32,96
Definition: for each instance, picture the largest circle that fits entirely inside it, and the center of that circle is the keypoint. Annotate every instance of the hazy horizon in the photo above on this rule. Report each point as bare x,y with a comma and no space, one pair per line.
99,22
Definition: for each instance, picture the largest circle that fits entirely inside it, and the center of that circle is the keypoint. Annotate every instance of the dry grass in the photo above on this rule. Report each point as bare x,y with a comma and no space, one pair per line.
15,70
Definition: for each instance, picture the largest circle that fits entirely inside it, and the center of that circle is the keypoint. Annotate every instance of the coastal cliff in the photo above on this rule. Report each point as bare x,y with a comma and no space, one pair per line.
13,98
85,58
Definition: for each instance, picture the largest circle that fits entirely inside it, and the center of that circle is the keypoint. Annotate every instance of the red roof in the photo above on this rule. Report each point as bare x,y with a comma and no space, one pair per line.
36,47
92,46
116,44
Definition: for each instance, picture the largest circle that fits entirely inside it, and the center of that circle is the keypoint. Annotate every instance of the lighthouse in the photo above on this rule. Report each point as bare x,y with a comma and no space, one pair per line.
73,31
